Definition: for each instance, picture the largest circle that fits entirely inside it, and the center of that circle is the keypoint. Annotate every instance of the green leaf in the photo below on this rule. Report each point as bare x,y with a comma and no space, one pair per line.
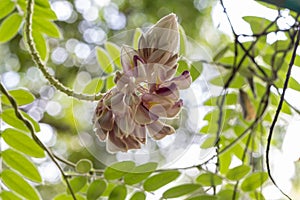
119,192
83,166
294,84
137,34
203,197
218,80
182,66
45,26
209,142
209,179
6,7
22,164
94,86
6,195
183,41
118,170
22,142
225,159
40,44
16,183
42,3
159,180
114,52
195,70
21,96
257,195
180,190
104,60
110,186
68,197
10,118
237,82
96,189
40,10
254,181
297,61
230,99
10,27
258,23
228,194
220,54
138,196
109,82
77,184
238,172
140,173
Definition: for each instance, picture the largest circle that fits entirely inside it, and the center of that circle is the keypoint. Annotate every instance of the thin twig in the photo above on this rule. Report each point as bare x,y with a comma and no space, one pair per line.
33,135
261,110
67,162
189,167
287,102
278,110
37,59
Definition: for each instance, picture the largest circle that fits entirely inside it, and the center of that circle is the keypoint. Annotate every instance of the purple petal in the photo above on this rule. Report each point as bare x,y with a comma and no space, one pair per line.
125,122
131,142
183,81
114,143
127,54
101,134
150,100
175,109
106,121
140,133
170,92
158,130
163,35
144,116
118,105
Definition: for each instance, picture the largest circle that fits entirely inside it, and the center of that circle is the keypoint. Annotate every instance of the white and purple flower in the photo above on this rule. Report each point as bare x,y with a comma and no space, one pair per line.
146,91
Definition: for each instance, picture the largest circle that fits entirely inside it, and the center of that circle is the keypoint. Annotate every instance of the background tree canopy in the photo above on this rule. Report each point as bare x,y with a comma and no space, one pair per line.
236,137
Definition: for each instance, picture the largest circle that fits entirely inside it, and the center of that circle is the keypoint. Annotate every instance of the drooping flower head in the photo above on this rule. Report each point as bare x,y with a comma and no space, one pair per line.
146,91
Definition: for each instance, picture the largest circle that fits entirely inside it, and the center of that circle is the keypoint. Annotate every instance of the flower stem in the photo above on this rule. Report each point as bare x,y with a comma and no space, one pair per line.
37,59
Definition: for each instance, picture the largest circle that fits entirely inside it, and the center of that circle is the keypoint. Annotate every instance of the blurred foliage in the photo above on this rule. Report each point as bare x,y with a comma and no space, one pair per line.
80,41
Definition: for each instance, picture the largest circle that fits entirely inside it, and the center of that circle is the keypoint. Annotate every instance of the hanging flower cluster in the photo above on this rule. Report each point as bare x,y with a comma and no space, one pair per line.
146,91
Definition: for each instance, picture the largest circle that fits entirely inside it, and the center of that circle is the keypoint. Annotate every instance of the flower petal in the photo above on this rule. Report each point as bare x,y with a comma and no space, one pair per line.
150,100
114,143
159,56
158,130
118,105
131,142
125,122
183,81
171,72
164,35
106,121
101,134
158,110
144,116
170,92
126,84
127,54
140,133
175,109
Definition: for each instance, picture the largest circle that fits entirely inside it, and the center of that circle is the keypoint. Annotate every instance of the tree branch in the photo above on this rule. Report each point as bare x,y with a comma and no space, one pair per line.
37,59
285,86
33,135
